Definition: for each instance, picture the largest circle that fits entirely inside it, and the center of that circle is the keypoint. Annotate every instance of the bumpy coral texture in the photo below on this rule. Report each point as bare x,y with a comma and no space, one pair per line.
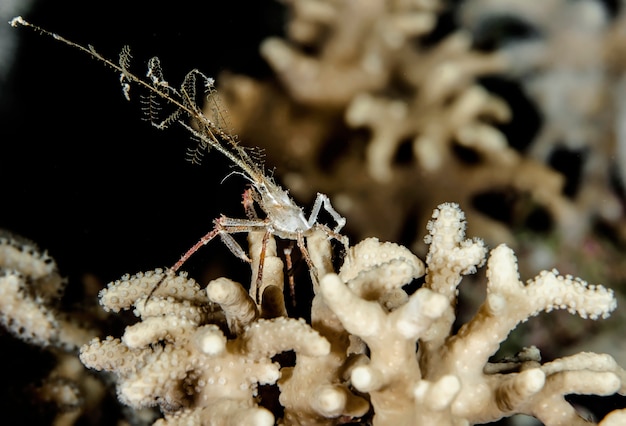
30,287
451,380
199,354
26,308
202,355
513,109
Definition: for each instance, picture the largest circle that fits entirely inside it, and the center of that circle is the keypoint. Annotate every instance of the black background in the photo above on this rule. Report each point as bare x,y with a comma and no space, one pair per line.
83,176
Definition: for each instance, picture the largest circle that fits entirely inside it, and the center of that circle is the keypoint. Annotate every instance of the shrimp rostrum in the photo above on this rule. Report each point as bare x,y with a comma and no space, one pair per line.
283,218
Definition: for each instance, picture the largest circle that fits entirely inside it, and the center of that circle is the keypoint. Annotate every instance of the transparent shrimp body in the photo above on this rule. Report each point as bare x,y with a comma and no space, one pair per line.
283,217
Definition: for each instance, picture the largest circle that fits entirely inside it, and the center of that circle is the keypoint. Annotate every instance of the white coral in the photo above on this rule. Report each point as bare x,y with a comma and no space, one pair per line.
454,369
30,288
201,359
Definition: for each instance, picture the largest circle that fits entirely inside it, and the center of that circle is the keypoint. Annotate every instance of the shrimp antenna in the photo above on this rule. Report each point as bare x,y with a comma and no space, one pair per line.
236,172
209,133
283,217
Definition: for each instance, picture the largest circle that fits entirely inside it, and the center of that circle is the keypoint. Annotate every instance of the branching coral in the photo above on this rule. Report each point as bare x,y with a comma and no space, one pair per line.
30,286
451,381
373,350
522,129
565,58
397,111
326,378
179,356
201,356
359,56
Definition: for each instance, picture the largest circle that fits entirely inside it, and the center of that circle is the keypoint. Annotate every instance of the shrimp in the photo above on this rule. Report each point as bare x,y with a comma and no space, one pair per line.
283,217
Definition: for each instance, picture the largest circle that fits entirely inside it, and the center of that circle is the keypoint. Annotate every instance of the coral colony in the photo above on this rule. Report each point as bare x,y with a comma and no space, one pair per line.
373,350
202,354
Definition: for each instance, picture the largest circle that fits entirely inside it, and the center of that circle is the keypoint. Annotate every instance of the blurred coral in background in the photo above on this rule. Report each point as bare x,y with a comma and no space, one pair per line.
513,109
